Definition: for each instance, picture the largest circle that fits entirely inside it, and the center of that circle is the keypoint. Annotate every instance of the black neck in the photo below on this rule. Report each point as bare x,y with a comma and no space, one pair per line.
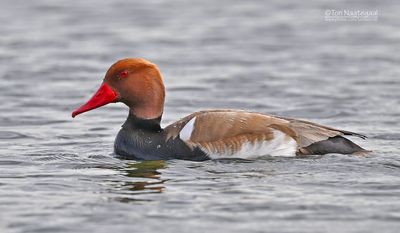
144,124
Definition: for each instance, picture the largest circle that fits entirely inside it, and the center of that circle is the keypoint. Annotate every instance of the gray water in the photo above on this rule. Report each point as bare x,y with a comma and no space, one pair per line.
59,174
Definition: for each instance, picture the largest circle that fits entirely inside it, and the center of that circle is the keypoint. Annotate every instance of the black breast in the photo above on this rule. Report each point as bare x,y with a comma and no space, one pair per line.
144,139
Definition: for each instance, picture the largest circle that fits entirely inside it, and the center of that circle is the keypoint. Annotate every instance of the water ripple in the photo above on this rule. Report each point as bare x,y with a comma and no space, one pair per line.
12,135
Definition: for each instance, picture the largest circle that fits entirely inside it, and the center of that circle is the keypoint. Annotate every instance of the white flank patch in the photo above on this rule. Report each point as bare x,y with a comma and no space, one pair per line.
187,130
280,145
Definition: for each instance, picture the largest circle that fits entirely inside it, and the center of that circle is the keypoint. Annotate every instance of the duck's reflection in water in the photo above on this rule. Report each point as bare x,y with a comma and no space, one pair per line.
142,177
145,169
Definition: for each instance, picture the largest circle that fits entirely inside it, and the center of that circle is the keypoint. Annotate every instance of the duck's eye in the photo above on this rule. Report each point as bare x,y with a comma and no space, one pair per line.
122,74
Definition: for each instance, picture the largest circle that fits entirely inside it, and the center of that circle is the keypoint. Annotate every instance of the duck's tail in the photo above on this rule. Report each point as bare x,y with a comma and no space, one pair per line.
337,144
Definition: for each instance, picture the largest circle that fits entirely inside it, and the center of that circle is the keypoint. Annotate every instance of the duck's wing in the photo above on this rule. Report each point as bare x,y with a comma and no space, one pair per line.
235,132
310,132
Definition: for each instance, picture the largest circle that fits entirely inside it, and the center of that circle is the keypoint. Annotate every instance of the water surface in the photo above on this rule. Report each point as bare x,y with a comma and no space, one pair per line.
59,174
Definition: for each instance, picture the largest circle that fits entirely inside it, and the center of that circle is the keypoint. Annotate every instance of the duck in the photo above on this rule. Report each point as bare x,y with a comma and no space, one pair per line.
207,134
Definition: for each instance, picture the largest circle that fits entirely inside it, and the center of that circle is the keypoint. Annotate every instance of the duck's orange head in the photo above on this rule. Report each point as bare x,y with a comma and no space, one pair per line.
135,82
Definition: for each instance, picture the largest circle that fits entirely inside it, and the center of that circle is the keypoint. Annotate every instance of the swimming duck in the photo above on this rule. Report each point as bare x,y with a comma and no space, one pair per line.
209,134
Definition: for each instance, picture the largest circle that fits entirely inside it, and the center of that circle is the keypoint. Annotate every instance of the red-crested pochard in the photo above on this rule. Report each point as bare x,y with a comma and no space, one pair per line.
209,134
